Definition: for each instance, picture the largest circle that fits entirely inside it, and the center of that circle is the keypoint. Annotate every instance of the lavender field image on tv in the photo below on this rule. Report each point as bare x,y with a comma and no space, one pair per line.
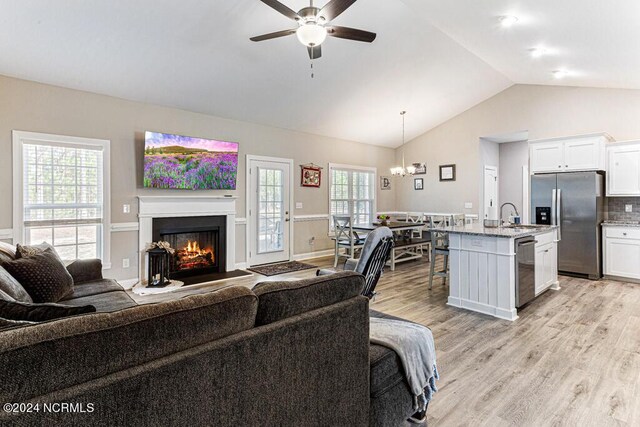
175,161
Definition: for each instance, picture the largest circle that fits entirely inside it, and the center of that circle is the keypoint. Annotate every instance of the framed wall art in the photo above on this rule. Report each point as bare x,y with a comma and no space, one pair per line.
418,184
385,183
310,175
421,168
447,172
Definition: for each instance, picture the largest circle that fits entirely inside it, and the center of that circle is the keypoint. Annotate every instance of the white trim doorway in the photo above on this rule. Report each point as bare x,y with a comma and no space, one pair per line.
490,207
279,253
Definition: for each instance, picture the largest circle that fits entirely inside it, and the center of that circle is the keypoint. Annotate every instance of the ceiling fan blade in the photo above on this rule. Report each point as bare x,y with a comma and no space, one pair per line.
350,34
272,35
275,4
334,8
315,52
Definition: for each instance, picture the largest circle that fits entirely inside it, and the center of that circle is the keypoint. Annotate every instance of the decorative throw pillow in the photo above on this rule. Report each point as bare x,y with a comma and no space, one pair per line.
8,249
10,286
40,312
43,276
23,251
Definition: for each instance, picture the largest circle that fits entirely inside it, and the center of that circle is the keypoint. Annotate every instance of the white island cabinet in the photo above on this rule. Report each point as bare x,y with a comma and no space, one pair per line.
483,267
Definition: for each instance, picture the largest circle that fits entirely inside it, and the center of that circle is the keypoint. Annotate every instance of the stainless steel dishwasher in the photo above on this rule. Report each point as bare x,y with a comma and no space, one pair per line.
525,270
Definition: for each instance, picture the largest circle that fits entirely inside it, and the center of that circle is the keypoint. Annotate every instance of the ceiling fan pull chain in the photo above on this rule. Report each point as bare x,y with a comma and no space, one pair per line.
311,68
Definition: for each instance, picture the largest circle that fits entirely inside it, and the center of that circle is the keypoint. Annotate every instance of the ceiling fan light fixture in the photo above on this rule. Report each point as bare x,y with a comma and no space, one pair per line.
311,34
508,21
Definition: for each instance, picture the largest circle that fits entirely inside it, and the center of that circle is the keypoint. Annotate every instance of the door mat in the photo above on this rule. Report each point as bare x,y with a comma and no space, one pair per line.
281,268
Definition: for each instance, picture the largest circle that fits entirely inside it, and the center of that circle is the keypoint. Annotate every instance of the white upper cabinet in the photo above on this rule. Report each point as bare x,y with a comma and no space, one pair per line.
623,169
546,157
577,153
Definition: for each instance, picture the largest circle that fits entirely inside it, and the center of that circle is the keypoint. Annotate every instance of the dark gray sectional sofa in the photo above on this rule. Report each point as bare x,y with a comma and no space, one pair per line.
285,353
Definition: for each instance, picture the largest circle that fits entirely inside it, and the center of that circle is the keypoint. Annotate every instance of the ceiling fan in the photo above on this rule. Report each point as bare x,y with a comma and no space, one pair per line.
313,25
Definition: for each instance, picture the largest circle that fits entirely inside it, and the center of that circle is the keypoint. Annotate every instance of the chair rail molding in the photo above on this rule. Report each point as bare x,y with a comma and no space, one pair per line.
313,217
121,227
6,233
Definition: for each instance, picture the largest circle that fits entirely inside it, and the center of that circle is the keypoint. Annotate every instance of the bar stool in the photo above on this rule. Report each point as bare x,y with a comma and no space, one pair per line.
439,246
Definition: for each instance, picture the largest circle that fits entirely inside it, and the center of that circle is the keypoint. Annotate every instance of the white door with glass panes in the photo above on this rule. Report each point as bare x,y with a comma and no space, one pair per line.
269,211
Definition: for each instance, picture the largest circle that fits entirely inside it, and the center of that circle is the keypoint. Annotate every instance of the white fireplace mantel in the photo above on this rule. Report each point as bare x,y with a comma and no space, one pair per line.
150,207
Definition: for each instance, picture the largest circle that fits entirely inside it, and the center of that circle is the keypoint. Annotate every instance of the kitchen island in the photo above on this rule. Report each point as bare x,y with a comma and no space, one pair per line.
483,266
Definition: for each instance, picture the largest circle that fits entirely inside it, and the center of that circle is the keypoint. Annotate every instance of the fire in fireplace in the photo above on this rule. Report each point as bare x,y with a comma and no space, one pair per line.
192,256
198,243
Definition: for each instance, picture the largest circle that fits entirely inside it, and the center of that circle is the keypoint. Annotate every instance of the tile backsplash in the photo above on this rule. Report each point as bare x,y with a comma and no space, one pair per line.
616,208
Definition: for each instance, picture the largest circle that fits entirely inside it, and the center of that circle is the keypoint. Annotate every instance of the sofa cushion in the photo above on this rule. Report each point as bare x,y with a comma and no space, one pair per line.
282,299
11,287
385,368
95,287
14,310
85,270
42,275
105,302
6,323
81,348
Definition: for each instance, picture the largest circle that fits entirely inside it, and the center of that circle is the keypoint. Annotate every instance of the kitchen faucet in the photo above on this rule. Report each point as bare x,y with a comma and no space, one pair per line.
508,203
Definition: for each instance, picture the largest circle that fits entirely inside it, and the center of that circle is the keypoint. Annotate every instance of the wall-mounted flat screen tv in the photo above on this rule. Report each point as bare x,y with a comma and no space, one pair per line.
184,162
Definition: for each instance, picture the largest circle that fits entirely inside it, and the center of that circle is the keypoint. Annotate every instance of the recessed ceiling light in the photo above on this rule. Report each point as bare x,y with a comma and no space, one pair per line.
558,74
508,20
537,52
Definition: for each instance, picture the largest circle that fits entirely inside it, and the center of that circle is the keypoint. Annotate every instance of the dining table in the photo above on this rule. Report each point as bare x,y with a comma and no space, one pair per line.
406,248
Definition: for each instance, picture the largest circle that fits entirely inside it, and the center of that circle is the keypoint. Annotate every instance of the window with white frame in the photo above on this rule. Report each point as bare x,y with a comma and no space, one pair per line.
352,192
62,197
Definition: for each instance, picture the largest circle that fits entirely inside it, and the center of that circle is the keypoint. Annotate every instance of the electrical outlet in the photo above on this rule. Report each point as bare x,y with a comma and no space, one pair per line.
298,205
312,240
468,205
628,208
125,263
126,208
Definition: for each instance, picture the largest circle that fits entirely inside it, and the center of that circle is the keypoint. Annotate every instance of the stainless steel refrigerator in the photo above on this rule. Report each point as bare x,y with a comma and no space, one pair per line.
575,201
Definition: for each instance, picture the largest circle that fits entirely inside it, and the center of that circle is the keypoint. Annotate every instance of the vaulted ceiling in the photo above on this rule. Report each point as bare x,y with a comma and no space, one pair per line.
432,58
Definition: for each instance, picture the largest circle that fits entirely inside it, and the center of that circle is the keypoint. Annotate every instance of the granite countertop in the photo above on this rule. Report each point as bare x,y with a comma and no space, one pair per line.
623,223
507,232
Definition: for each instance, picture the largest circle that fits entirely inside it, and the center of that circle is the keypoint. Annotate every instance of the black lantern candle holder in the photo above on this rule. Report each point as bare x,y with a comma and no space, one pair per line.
158,274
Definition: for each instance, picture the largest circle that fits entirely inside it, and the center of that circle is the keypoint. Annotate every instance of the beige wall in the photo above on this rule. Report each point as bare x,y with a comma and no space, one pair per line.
513,156
36,107
545,111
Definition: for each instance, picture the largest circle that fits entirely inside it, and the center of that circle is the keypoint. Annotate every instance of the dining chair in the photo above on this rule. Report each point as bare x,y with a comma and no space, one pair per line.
458,220
439,246
345,237
415,218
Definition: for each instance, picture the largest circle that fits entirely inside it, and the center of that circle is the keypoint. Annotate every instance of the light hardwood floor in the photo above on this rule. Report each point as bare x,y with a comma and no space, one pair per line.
571,359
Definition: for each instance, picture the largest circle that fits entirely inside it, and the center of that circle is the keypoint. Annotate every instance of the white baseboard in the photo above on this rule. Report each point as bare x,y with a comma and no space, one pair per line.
241,266
128,283
316,254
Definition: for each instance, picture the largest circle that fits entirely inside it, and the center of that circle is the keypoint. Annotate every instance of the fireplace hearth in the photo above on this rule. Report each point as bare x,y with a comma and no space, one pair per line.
198,243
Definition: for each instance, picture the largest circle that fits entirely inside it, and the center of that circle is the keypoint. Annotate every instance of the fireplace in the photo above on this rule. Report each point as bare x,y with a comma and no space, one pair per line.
199,244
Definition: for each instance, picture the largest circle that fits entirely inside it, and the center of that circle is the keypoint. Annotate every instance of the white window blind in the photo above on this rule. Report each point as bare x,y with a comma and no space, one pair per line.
63,197
352,192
